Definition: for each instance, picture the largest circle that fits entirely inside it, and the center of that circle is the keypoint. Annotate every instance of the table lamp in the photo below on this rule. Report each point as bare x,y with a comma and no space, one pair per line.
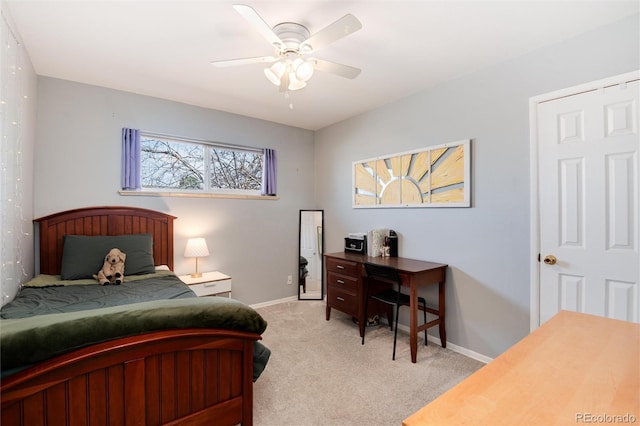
196,247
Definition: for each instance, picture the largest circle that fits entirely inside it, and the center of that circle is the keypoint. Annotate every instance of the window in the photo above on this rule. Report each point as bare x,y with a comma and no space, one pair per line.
184,165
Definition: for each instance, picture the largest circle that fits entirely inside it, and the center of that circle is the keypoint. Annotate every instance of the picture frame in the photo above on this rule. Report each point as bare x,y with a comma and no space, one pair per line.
435,176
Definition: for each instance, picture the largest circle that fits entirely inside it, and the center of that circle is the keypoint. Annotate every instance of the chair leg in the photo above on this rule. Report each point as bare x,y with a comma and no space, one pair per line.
395,333
366,303
425,321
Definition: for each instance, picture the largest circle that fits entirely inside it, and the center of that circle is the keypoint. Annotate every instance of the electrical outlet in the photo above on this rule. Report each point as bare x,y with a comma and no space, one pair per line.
289,279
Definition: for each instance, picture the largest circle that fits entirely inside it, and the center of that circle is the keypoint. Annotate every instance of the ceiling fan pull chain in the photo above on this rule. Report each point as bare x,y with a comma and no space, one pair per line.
287,95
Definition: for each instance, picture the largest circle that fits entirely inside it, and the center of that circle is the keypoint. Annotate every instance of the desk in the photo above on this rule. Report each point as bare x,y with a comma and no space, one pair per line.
345,291
574,369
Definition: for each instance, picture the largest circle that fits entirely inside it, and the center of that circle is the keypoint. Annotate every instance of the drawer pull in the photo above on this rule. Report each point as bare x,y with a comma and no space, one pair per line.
210,284
339,266
340,298
340,281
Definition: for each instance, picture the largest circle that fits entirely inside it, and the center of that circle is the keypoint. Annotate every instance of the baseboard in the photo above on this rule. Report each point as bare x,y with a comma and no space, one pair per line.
455,348
275,302
463,351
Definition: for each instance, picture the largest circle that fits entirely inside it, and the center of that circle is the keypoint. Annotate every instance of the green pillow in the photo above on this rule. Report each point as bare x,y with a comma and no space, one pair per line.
83,256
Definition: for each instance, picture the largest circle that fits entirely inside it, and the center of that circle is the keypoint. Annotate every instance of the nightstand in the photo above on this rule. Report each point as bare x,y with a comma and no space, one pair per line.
209,284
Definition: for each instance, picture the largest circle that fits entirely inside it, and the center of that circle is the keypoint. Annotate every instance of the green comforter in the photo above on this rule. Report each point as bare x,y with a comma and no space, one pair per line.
47,294
78,316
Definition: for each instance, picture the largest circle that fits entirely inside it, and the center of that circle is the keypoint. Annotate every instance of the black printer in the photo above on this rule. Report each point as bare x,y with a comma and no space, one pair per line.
355,243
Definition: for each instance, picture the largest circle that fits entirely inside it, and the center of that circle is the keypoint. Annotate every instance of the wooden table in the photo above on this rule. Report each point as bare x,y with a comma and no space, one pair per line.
413,274
574,369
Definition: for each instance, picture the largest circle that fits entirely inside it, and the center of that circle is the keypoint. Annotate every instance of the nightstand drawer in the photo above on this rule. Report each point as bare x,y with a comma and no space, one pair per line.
211,288
209,283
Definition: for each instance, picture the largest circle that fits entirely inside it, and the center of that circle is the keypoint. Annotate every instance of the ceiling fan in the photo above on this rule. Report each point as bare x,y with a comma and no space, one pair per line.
291,67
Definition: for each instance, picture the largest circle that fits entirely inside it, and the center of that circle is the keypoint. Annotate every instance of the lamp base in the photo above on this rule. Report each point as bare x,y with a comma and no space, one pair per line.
196,275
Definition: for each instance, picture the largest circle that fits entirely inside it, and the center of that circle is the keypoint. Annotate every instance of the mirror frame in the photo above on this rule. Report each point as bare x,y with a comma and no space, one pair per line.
321,242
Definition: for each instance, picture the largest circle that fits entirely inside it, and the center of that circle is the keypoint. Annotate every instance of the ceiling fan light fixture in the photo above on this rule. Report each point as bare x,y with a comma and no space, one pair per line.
284,82
275,72
284,74
304,69
295,83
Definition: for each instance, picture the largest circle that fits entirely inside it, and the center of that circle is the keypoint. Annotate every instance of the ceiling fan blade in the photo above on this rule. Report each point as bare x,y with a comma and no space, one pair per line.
243,61
339,69
256,20
342,27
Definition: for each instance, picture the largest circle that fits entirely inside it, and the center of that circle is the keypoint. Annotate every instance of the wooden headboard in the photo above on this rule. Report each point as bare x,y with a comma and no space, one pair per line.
103,221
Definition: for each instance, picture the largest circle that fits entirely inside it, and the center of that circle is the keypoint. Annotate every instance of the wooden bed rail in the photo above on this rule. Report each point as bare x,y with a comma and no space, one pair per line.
194,376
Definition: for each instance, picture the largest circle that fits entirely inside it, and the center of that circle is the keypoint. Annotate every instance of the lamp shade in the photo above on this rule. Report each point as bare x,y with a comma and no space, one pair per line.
304,69
274,72
196,247
294,83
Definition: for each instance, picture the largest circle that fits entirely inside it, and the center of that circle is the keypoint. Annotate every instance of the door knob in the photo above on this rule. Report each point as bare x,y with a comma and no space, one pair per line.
550,259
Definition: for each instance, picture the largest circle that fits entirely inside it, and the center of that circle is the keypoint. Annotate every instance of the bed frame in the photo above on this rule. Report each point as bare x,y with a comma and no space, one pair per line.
185,377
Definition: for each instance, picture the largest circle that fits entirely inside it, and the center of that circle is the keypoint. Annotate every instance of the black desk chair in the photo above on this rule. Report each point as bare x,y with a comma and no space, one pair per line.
392,296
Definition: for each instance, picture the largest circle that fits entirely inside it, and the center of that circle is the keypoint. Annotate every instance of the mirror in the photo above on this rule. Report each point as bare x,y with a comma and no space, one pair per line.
311,265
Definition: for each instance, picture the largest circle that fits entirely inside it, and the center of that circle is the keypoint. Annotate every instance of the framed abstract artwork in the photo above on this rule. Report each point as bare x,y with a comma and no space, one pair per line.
435,176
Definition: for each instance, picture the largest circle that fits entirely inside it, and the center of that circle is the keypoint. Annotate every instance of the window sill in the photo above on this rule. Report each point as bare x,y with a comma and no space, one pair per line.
198,195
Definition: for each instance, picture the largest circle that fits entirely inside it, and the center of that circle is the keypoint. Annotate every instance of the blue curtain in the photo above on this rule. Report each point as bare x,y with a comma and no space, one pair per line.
130,158
269,172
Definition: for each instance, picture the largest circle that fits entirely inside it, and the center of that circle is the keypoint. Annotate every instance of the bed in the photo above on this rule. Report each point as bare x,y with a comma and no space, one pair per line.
146,352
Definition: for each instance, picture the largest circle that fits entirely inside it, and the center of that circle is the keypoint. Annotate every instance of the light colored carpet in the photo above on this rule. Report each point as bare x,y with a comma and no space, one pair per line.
320,374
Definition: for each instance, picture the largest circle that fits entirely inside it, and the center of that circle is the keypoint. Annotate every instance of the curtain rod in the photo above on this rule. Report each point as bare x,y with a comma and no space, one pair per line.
218,144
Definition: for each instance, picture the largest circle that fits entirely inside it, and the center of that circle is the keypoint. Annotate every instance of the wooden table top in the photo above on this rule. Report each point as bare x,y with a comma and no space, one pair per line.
400,263
574,369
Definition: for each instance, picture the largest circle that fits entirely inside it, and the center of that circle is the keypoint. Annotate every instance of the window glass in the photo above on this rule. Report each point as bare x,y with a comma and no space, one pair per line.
234,169
167,164
184,165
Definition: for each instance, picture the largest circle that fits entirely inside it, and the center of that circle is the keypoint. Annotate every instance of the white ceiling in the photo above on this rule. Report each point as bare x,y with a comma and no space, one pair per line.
164,48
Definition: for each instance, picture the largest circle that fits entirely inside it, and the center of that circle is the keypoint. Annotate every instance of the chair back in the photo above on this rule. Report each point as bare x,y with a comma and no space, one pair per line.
382,273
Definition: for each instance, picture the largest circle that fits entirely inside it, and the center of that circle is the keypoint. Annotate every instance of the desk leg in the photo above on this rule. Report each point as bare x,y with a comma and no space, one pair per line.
441,306
413,321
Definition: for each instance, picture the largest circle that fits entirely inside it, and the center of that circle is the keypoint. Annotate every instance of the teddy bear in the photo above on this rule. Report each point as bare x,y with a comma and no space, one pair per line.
113,269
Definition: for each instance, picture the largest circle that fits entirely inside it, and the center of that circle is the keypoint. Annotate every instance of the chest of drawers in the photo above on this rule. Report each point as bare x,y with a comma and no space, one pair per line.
346,290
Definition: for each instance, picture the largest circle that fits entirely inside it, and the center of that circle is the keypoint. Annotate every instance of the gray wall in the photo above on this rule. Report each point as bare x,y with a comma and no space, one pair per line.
486,246
77,164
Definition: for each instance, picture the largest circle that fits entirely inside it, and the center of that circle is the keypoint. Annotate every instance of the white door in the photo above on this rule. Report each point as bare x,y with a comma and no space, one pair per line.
588,203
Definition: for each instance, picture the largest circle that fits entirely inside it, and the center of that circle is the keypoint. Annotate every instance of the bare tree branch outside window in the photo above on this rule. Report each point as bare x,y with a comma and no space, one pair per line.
236,169
170,164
